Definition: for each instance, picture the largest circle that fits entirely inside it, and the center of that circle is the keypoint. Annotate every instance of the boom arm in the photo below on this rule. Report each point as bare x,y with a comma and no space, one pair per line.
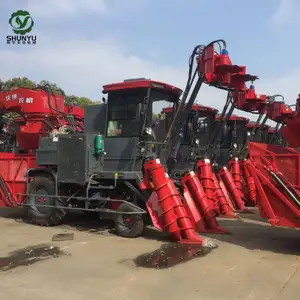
202,55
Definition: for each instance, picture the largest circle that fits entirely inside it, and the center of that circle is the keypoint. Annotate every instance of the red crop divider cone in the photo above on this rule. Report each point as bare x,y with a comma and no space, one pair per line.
205,174
225,209
233,191
193,210
250,184
235,169
206,207
175,217
225,193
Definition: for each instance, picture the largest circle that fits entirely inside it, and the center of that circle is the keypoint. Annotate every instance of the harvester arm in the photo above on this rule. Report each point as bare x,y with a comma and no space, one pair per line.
192,88
274,201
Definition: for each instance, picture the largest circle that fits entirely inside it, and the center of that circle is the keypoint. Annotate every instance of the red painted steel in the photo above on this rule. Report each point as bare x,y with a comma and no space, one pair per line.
234,193
225,193
273,200
191,181
225,209
192,209
175,217
13,169
249,184
205,174
235,170
34,107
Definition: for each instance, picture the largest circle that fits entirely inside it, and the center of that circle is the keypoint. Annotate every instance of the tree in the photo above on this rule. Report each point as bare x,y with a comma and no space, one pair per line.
80,101
54,88
16,82
155,116
84,101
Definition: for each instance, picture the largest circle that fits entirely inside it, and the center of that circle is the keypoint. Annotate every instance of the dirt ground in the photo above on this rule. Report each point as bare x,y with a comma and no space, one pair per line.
255,262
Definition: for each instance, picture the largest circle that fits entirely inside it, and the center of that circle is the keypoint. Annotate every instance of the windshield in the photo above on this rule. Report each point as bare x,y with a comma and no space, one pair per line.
128,109
160,100
123,113
234,133
194,127
240,134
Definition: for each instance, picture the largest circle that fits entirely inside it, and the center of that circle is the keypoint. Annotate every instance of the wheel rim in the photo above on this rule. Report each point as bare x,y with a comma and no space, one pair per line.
128,221
41,200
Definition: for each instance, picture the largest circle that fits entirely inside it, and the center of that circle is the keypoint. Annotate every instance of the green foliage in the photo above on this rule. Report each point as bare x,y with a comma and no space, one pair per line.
80,101
155,116
24,82
55,89
18,82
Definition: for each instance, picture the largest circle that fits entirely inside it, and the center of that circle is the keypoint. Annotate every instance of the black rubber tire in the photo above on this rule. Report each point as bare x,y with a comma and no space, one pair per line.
137,221
51,216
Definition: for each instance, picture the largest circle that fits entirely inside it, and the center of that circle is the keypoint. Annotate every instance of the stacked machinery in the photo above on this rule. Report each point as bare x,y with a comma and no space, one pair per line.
114,164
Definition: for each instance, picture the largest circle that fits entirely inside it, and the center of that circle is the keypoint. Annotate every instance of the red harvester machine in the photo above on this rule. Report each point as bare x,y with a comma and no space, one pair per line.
59,169
40,113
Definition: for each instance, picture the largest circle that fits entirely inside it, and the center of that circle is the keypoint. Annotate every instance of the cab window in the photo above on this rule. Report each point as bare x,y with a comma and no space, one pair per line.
123,114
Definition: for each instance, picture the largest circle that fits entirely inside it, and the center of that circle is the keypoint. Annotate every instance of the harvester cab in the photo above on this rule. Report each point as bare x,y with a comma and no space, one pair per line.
193,137
260,135
231,139
125,121
274,136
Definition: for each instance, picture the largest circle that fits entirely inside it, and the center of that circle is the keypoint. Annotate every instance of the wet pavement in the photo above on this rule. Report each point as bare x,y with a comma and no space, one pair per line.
28,256
170,255
255,262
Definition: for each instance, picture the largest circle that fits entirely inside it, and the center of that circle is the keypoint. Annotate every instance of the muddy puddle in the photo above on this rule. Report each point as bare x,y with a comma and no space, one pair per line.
29,255
170,255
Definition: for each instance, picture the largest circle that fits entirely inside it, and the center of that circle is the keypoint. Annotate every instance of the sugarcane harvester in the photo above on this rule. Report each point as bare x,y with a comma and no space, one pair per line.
112,167
190,179
275,136
193,138
231,139
276,170
199,186
270,109
71,170
277,191
216,69
241,97
36,113
58,167
257,132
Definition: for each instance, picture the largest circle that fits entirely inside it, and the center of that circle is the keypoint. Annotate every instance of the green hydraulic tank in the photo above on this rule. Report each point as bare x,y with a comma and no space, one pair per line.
99,144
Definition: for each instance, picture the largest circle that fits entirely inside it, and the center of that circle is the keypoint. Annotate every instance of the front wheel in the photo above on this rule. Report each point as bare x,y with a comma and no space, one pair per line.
40,190
129,225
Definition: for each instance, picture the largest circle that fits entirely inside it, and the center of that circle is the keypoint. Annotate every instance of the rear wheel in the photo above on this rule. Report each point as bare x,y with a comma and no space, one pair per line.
43,187
129,225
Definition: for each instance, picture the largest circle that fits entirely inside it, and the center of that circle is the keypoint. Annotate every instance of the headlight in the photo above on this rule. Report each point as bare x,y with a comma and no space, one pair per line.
234,145
149,130
197,141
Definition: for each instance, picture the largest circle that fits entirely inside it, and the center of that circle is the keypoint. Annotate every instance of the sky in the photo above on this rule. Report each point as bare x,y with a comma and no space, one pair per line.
84,44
